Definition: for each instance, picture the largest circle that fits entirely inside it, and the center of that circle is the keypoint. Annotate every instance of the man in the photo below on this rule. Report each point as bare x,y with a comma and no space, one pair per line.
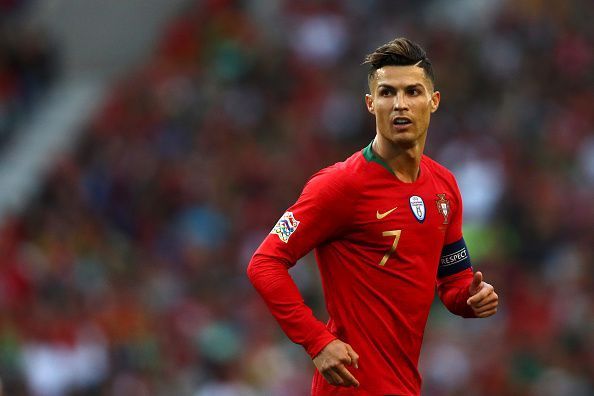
386,226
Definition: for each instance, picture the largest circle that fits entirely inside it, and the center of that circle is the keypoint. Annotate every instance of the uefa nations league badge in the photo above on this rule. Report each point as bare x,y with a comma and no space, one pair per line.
418,207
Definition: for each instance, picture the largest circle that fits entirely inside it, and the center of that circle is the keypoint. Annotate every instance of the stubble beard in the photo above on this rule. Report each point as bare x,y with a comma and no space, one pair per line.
404,140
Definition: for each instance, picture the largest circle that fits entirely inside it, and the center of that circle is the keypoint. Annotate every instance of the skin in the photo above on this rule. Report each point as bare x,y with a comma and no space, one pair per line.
483,299
331,362
399,91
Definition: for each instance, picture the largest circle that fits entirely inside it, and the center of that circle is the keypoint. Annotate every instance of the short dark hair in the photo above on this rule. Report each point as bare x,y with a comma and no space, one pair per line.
399,52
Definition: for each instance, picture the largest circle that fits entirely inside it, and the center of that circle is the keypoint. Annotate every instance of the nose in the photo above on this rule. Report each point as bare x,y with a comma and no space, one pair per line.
400,102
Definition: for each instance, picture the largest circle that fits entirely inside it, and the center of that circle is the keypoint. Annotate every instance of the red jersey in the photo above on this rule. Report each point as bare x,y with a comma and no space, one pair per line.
382,246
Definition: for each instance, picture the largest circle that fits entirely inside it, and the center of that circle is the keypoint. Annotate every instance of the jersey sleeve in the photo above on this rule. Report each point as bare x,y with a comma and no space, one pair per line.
322,212
454,231
454,273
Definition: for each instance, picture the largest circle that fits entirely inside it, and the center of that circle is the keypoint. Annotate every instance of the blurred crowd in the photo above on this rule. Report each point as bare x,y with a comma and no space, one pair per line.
27,67
126,274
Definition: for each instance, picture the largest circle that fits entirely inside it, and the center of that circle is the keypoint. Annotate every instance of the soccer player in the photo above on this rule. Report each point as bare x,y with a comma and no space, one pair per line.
386,226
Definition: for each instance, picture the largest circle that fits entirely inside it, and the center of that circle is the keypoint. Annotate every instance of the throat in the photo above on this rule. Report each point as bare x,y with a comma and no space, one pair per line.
408,174
404,163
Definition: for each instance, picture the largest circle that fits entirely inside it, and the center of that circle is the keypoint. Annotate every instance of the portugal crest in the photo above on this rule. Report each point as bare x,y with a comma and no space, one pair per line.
443,207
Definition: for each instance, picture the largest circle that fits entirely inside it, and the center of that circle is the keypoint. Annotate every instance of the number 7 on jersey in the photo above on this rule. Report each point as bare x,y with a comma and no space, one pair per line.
396,235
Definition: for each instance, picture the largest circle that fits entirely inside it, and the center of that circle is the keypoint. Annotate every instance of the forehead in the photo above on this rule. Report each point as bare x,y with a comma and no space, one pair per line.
397,76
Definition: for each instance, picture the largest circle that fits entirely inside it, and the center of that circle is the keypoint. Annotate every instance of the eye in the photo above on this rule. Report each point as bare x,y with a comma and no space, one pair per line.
385,92
414,91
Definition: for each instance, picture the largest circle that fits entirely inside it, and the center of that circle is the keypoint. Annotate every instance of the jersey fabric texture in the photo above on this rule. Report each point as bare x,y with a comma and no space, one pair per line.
378,243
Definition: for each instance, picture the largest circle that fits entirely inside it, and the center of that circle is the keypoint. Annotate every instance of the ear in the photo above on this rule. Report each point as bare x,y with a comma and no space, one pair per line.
369,103
435,98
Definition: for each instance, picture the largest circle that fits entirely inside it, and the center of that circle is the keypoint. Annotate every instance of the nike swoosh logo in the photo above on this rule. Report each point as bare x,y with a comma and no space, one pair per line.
382,215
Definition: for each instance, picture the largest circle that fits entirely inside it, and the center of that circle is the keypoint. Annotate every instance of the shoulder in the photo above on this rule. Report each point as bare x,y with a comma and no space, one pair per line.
341,177
439,171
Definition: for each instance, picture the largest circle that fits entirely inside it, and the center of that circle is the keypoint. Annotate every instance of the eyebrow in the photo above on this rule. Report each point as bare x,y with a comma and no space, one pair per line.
417,85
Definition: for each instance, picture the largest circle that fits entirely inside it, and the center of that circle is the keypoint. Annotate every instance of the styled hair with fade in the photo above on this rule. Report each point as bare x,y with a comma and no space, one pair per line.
399,52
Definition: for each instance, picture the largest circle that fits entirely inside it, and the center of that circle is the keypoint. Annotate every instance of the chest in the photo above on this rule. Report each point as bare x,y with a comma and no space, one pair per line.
398,224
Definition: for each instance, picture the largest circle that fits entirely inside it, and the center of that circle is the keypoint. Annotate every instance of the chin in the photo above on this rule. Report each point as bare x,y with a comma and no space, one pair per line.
405,140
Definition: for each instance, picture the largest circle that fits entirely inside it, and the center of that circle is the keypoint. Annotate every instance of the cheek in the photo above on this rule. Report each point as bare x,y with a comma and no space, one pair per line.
424,109
382,110
423,116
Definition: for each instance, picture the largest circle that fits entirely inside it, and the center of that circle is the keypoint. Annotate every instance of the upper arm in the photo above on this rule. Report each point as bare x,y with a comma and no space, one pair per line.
454,256
454,231
322,212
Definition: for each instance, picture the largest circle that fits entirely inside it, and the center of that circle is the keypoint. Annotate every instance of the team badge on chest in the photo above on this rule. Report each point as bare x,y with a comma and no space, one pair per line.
418,207
443,207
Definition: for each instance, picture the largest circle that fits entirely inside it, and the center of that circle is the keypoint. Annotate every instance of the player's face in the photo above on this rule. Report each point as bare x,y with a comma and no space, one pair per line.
402,99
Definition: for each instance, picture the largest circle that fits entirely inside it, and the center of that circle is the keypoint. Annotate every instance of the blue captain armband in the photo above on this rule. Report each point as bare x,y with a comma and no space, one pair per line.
454,258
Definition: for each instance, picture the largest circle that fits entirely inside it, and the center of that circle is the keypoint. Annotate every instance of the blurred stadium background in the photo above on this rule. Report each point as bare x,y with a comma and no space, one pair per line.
146,147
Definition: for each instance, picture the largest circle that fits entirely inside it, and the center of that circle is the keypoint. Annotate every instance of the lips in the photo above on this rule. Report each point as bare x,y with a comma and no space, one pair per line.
401,121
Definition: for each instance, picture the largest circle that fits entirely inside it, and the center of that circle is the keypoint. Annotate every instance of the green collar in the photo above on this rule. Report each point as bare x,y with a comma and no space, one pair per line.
371,156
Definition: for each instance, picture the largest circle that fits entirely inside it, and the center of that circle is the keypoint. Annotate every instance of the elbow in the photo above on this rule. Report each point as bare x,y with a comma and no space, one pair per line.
264,270
260,265
252,270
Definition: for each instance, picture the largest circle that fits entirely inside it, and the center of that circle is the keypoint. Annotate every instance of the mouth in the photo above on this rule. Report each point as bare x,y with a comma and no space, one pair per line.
401,122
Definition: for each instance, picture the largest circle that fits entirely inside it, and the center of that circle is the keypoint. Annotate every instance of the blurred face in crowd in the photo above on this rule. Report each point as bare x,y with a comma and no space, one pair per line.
402,100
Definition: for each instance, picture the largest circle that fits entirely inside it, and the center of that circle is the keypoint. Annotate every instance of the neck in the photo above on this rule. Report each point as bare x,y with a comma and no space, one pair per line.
405,162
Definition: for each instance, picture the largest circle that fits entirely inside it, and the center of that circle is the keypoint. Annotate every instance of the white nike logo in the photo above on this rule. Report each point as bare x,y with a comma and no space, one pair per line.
382,215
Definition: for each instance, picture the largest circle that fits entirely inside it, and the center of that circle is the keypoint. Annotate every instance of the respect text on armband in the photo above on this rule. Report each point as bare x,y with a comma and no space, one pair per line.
454,258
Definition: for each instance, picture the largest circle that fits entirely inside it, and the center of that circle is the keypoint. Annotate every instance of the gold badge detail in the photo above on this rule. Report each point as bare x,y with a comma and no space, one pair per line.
443,207
382,215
